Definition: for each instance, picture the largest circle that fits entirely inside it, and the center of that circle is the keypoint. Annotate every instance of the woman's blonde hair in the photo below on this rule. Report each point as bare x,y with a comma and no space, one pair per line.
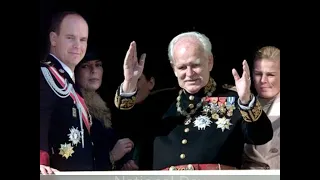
268,52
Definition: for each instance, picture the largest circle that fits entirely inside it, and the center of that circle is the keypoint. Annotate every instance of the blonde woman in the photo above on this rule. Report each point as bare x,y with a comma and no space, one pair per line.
266,77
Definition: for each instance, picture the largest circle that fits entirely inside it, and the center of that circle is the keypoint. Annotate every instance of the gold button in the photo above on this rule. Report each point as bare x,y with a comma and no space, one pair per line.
191,106
191,98
186,130
184,141
182,156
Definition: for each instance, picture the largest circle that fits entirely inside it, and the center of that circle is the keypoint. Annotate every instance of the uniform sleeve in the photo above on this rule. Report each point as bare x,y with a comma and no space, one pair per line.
257,127
124,101
47,101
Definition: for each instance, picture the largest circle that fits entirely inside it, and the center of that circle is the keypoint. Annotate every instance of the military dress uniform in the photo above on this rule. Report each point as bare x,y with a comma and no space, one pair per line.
206,130
65,141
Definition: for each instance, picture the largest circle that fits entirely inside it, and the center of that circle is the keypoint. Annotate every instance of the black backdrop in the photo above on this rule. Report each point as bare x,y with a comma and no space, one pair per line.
235,33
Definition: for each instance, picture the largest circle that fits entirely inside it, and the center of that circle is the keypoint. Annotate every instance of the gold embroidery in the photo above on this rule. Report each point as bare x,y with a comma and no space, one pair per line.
124,103
127,103
208,87
252,114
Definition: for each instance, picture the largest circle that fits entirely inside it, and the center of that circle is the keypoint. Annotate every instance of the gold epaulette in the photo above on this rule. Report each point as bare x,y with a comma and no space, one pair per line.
252,114
229,87
124,103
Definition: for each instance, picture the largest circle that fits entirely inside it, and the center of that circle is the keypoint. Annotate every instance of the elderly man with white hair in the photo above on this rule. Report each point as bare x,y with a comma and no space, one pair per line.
207,125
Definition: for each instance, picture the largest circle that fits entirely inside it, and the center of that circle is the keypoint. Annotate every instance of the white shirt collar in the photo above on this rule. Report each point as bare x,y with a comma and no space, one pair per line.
64,66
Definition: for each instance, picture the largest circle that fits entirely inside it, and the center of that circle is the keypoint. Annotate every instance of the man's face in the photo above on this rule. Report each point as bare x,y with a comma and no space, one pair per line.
89,75
267,77
191,65
144,87
70,44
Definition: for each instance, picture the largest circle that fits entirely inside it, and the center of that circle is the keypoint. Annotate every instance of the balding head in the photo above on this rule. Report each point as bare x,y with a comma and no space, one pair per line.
68,39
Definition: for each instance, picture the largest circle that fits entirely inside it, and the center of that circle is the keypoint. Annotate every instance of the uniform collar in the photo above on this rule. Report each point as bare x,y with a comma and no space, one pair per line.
201,93
189,101
64,66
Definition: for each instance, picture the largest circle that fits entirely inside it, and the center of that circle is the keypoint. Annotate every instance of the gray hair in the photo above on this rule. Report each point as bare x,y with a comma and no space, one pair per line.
203,39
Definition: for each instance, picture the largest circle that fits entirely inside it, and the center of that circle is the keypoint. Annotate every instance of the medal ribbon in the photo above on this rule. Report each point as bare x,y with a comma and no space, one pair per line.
73,94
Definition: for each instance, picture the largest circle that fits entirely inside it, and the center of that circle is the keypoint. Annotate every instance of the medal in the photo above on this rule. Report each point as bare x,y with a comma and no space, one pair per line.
202,122
74,136
66,150
223,123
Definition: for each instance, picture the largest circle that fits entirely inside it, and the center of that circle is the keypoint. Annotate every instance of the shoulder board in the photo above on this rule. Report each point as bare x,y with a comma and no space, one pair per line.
46,63
162,90
229,87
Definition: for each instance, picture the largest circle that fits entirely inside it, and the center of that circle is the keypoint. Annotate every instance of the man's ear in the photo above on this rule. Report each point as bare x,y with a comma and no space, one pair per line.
211,62
53,38
151,83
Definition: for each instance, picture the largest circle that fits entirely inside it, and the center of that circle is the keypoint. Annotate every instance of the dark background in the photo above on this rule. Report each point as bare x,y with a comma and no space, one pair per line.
235,33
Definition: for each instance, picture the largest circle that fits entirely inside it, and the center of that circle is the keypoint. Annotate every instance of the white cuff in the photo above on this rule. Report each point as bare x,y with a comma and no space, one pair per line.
250,106
126,94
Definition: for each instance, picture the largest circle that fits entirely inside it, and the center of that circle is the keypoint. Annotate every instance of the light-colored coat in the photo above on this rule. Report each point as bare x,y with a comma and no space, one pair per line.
266,156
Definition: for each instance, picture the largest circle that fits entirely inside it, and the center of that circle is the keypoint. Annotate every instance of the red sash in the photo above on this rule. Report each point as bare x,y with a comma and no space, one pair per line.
82,104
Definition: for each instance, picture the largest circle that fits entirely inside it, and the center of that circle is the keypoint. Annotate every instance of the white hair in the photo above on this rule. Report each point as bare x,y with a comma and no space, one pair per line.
203,39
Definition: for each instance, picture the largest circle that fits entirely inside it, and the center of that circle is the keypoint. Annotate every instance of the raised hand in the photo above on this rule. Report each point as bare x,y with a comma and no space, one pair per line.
243,84
132,68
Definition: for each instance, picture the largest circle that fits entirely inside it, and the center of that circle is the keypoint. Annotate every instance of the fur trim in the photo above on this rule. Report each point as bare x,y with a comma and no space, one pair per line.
97,107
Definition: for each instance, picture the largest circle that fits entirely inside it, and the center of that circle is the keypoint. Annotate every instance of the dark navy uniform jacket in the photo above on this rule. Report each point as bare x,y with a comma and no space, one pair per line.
215,134
135,124
61,145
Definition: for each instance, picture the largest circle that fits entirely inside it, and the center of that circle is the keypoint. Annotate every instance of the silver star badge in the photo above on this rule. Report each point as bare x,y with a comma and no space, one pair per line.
202,122
74,136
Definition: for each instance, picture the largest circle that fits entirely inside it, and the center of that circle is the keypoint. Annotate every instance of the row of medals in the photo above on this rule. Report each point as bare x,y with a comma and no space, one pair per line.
214,107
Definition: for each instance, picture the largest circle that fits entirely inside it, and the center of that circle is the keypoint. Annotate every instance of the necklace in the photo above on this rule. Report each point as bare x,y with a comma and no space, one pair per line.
209,89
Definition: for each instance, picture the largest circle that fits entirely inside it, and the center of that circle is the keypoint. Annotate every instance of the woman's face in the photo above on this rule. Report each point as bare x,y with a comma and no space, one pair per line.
89,75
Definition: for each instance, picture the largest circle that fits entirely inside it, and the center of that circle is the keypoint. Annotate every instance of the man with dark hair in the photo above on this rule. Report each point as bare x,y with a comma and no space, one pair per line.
65,142
134,123
146,83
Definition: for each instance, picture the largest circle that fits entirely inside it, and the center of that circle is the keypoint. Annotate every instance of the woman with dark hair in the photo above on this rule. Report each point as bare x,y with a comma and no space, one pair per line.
108,149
